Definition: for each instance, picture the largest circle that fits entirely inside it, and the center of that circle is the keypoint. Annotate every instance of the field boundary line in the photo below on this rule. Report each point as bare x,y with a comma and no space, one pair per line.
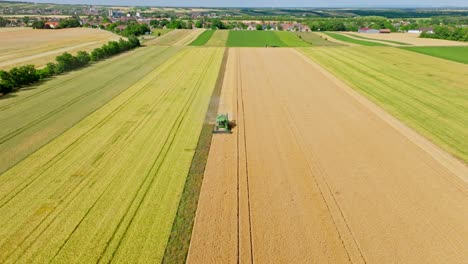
452,164
243,138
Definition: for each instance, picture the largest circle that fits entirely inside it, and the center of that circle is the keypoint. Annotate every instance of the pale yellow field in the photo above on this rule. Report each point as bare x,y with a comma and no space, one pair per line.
413,39
38,47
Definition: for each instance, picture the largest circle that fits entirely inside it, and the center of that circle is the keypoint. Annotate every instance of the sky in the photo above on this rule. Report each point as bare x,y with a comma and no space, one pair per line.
268,3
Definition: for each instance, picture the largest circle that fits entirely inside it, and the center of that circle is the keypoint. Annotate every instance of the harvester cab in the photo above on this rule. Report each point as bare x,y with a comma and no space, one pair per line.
222,124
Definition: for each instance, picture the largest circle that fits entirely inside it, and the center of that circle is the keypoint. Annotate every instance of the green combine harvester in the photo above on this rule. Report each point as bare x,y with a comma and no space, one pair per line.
222,124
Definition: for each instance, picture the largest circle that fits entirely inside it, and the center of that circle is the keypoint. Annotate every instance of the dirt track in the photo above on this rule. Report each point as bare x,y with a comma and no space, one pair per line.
314,173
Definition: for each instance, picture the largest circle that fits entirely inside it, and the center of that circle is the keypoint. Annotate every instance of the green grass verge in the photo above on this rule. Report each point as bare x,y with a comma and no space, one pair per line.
428,94
354,41
179,240
291,40
380,40
458,54
203,38
255,38
315,40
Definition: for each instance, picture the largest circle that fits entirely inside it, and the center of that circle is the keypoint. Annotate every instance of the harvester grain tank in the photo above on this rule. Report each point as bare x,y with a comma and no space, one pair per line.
222,124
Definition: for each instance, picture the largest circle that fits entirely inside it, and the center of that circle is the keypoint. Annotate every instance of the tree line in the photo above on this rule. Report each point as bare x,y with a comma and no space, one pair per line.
65,23
25,75
447,32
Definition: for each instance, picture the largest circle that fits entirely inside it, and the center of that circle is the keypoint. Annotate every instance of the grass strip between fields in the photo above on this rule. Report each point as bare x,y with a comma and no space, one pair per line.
181,233
203,38
352,40
380,40
457,54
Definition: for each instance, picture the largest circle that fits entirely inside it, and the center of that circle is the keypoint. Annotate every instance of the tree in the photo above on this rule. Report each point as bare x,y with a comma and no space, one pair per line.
97,54
38,24
83,58
6,84
3,22
67,62
69,23
259,27
199,24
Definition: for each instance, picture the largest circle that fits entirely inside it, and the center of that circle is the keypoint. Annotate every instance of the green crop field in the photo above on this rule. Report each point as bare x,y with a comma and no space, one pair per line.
352,40
203,38
426,93
244,38
378,40
458,54
218,39
315,40
35,115
259,38
108,188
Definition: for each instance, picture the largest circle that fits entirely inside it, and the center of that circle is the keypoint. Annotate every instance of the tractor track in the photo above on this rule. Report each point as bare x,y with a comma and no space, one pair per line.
242,165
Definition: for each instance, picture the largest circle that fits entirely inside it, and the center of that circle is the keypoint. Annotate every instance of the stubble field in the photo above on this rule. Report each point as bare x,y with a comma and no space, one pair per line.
38,47
316,173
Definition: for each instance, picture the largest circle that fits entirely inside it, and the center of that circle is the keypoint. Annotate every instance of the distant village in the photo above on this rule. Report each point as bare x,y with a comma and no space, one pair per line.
117,20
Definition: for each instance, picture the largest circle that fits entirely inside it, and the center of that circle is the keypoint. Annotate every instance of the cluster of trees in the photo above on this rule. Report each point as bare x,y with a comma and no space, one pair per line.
132,28
69,23
17,77
174,23
349,24
26,75
3,22
448,32
65,23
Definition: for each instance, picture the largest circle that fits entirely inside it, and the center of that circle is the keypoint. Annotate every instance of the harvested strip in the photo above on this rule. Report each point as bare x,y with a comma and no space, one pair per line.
326,176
